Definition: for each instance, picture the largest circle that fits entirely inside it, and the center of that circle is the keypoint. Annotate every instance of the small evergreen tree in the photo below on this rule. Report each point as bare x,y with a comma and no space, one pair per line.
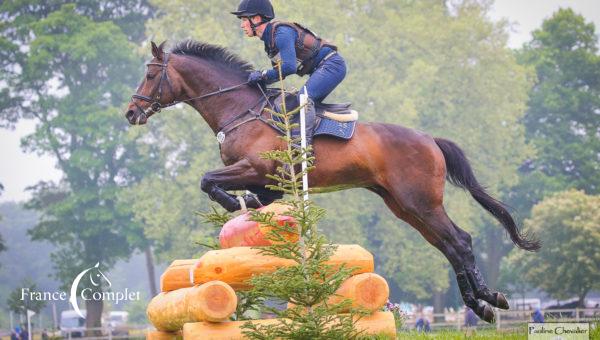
307,285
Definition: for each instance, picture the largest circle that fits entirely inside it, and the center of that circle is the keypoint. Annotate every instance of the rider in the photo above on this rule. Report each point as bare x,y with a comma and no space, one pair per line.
299,50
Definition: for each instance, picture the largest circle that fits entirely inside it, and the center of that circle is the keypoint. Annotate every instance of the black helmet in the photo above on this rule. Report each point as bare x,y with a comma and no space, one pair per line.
248,8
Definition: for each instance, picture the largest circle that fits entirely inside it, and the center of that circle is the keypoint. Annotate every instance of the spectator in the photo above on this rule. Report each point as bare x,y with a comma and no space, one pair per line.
537,316
471,319
422,325
24,334
14,336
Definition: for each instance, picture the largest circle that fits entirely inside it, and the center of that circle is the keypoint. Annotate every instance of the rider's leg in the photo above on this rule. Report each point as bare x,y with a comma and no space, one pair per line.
321,82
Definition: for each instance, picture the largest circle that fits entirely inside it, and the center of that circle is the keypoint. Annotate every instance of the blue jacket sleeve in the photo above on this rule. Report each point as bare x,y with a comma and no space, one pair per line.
285,39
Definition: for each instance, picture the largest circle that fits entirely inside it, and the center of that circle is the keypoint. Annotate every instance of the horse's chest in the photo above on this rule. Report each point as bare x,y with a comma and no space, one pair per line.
231,154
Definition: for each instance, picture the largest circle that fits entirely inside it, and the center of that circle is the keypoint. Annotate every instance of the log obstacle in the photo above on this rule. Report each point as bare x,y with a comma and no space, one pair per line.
367,291
212,301
242,232
235,266
160,335
377,323
177,275
198,295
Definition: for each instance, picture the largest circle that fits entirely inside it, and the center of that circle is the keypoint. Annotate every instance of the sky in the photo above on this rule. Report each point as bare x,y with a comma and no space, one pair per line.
19,170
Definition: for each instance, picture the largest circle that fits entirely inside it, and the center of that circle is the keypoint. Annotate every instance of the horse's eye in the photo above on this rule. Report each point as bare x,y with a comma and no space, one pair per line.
150,76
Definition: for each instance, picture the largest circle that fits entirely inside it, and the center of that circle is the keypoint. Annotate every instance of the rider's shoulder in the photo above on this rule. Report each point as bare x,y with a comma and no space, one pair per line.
285,28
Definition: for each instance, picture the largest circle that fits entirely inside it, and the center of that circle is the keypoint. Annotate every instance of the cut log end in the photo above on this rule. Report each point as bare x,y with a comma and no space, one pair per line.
213,301
372,291
218,301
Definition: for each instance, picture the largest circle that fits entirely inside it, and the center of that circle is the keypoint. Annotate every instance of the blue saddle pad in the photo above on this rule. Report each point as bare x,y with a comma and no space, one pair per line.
325,126
328,127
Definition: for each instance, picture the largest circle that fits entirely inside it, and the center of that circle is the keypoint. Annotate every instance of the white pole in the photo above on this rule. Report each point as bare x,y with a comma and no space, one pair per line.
55,324
303,101
28,325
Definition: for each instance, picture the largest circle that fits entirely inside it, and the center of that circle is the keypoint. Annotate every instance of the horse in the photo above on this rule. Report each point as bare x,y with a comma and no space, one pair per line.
405,167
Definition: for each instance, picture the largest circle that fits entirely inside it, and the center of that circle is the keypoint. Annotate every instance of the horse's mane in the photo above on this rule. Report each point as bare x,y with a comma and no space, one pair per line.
213,53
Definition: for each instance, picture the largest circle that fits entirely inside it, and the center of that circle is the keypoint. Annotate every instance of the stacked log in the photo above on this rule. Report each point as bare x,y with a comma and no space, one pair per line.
160,335
235,266
367,291
213,301
381,323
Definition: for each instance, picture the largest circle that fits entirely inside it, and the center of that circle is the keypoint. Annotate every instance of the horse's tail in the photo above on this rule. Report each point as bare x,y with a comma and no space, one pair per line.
459,173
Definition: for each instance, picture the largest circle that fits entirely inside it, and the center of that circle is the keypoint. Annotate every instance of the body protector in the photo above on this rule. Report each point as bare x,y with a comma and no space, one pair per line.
307,46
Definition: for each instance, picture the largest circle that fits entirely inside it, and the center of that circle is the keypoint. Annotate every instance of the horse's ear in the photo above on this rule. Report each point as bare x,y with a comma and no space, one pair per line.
161,47
155,52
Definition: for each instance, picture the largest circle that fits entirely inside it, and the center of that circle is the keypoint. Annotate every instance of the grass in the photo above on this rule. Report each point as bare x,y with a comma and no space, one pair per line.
456,335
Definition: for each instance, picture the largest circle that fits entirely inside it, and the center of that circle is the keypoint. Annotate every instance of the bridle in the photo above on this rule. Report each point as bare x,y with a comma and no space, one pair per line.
156,106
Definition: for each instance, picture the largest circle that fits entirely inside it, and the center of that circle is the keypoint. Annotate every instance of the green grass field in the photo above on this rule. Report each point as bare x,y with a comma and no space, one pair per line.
452,335
482,334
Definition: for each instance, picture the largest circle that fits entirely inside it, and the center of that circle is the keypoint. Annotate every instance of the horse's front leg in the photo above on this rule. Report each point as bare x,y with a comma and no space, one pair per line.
237,176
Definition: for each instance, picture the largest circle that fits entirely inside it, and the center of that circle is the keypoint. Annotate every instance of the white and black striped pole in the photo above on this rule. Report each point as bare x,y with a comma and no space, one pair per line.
303,101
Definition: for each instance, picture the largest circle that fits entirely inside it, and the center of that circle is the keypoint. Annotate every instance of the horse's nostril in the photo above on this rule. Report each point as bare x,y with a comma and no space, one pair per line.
129,114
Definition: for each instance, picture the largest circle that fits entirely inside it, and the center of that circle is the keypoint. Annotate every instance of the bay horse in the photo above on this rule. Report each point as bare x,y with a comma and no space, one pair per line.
406,168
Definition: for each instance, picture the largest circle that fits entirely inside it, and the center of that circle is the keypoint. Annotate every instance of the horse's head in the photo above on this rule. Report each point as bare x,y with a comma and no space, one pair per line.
156,91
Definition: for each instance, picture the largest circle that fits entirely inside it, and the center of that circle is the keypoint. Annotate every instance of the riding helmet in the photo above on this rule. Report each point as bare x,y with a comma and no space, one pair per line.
248,8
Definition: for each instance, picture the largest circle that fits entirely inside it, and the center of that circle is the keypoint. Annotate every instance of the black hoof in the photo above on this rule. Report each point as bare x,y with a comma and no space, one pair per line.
486,313
252,201
501,301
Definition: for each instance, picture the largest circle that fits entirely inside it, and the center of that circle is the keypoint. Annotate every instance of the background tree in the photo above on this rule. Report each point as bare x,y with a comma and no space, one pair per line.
563,113
21,306
2,246
564,105
72,74
568,262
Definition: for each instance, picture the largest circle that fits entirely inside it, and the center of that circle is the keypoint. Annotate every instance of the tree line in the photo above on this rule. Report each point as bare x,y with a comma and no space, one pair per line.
527,118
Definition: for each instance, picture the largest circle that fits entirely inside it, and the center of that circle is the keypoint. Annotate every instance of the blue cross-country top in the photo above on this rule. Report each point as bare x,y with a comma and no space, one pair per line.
285,39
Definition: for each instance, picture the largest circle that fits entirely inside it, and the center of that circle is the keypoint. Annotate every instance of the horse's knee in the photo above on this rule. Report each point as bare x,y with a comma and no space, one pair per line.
206,184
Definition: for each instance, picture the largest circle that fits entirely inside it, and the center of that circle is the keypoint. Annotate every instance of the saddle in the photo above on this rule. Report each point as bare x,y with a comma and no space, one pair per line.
336,120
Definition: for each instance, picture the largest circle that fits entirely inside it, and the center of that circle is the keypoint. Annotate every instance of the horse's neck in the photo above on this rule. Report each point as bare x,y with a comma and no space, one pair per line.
200,79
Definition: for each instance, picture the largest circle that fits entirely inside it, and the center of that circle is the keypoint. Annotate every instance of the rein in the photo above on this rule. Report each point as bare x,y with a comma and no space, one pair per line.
156,106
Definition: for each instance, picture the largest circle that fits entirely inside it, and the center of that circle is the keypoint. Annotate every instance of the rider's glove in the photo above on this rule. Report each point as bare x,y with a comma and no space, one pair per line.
256,77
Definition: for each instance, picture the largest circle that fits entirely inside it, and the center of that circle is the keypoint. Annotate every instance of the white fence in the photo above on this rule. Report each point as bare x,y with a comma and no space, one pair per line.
507,319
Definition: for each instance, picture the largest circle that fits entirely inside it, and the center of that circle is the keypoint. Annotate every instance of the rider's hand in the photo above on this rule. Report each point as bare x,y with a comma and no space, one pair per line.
256,77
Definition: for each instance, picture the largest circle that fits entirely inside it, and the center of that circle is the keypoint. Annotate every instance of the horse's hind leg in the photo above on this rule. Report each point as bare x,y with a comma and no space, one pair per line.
474,276
438,229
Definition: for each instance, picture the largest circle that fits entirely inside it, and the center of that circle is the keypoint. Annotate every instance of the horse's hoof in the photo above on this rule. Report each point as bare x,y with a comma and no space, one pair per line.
501,301
252,201
486,313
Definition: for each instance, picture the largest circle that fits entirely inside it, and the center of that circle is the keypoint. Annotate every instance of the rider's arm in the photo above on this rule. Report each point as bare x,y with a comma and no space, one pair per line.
285,38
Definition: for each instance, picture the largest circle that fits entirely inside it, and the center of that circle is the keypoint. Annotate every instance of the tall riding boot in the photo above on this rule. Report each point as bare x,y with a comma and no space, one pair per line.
310,115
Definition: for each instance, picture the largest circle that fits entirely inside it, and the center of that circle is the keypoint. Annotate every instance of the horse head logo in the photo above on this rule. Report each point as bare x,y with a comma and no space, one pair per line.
96,277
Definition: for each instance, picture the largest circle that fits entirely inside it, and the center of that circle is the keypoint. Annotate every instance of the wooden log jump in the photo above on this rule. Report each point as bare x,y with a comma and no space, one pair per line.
367,291
379,323
211,301
235,266
160,335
